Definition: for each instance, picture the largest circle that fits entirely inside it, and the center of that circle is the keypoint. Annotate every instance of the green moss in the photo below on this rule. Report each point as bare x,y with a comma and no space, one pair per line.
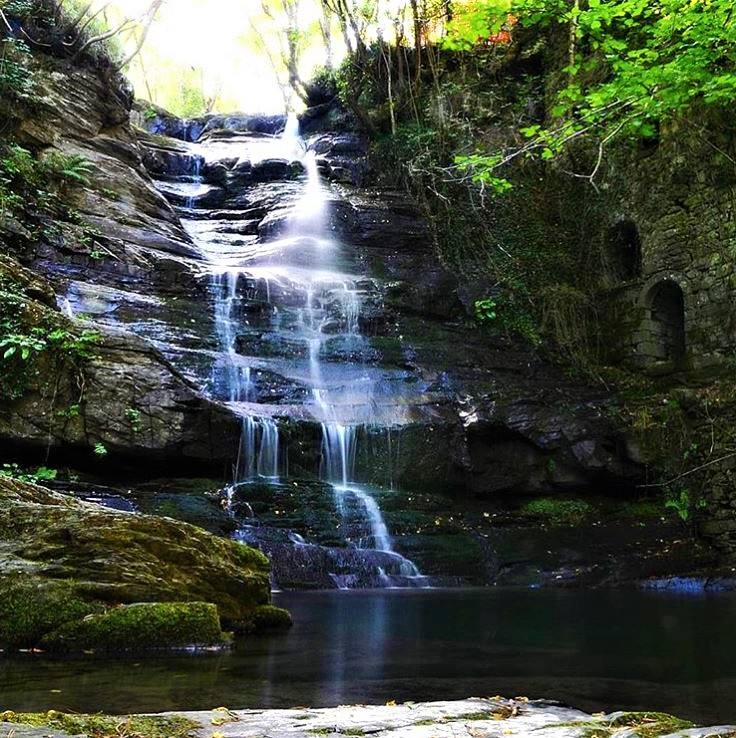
267,618
641,509
141,627
303,505
558,512
480,715
105,726
457,553
644,724
30,608
650,724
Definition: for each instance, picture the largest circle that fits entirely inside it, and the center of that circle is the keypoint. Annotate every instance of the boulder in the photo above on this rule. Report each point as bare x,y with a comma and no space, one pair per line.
64,560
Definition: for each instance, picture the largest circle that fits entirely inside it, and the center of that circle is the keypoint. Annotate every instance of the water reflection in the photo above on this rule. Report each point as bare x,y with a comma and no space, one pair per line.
594,650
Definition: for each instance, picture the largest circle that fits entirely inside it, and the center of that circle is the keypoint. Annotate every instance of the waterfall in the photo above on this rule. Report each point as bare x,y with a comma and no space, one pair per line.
315,304
197,179
258,454
338,454
65,305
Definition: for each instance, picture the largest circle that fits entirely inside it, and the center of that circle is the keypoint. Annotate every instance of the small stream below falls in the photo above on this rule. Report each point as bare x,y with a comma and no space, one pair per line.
596,650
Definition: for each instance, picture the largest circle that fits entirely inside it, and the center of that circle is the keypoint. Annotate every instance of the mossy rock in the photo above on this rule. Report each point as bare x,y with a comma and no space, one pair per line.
267,619
199,510
115,558
31,607
558,512
105,726
306,506
454,554
141,627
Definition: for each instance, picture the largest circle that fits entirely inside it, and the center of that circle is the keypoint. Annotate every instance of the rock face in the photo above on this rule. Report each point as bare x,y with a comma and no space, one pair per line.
125,396
436,406
60,551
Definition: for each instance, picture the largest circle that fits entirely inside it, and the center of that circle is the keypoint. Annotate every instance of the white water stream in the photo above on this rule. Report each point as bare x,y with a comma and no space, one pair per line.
301,264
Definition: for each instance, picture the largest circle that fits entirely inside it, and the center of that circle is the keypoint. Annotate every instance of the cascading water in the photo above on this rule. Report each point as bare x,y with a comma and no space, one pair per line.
294,277
258,455
197,179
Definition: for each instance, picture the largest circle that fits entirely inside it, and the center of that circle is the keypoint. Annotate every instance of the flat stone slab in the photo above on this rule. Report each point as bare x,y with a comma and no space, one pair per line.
493,717
471,718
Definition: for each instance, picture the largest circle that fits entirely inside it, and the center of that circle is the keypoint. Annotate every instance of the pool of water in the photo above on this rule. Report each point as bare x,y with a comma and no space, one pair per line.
599,650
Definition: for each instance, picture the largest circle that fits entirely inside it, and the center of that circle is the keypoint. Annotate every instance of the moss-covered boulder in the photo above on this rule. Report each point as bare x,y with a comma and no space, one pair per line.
31,607
268,618
76,559
145,626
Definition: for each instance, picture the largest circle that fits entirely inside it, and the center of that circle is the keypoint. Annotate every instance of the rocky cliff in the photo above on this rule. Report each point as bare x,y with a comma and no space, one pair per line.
473,438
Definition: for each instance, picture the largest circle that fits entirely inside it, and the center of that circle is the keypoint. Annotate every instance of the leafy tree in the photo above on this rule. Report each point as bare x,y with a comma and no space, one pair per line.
633,66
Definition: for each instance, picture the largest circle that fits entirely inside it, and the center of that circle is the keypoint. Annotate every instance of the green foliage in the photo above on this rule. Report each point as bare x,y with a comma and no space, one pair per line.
30,340
558,512
133,416
73,168
32,187
682,502
486,310
40,475
632,66
100,450
18,8
16,79
481,170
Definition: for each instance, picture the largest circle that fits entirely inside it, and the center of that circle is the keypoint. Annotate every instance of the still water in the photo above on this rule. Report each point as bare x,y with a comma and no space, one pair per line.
593,650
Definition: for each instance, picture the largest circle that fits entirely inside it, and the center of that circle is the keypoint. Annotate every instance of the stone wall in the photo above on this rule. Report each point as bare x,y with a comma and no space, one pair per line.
675,205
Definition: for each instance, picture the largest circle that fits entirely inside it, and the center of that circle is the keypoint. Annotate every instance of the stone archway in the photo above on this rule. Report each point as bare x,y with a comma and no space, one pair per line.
665,326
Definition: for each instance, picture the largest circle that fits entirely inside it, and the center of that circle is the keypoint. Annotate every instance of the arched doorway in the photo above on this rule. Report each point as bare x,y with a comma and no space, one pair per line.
667,326
624,250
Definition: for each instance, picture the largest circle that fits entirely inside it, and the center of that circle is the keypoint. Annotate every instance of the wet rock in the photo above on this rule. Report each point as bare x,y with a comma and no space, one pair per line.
216,173
164,158
135,404
326,117
158,121
268,124
121,200
341,157
104,557
270,170
471,718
